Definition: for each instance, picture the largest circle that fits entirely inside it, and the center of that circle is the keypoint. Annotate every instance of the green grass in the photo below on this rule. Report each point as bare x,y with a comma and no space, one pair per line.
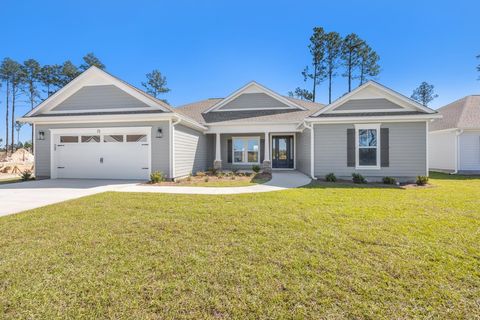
319,252
10,180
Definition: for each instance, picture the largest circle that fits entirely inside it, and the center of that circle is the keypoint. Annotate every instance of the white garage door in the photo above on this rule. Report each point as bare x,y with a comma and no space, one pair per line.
470,151
105,153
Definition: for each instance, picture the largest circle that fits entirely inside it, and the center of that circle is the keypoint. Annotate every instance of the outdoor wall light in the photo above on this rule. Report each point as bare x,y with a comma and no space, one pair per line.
159,133
41,135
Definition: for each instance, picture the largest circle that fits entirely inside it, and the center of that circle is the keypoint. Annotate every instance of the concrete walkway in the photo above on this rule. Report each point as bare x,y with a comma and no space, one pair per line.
281,180
21,196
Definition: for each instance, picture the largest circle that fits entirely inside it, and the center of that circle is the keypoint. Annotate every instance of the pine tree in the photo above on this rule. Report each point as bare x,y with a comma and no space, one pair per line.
317,73
68,72
351,47
32,73
91,60
333,43
424,93
156,84
369,67
50,76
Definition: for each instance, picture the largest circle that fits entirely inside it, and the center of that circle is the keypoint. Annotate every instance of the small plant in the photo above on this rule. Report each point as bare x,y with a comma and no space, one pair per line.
200,174
256,168
422,180
206,179
189,178
389,180
157,176
235,171
330,177
26,175
232,177
213,171
358,178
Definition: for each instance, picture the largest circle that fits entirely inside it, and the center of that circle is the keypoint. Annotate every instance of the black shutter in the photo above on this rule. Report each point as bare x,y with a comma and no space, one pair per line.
262,150
229,150
350,147
384,147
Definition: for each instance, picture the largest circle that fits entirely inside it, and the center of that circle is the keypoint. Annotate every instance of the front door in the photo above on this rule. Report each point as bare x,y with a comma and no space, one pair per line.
282,152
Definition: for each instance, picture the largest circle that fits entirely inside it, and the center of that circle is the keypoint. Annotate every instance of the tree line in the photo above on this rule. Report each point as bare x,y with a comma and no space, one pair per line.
329,52
32,83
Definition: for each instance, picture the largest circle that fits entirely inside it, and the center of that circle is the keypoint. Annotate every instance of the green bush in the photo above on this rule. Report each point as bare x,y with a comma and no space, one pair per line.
358,178
157,176
331,177
26,175
256,168
235,170
422,180
206,179
389,180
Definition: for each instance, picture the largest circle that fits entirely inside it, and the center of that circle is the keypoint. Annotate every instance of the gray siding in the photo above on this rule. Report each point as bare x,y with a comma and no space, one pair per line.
190,151
99,97
254,100
224,150
303,151
160,146
407,151
368,104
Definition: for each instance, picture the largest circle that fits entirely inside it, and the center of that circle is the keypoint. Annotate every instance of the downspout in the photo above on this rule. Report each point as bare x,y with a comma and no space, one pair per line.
312,150
457,151
172,139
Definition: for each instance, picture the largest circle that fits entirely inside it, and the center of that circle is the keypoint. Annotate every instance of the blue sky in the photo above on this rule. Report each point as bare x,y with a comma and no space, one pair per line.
211,48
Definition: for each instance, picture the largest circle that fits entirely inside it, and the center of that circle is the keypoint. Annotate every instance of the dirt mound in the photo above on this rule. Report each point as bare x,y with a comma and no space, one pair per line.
21,155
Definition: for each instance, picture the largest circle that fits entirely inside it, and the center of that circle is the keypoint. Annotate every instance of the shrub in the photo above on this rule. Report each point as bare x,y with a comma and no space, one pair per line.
422,180
26,175
189,178
330,177
256,168
200,174
206,179
389,180
213,171
157,176
358,178
235,170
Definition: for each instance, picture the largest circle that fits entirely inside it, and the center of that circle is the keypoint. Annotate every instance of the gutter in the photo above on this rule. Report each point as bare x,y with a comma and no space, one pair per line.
457,153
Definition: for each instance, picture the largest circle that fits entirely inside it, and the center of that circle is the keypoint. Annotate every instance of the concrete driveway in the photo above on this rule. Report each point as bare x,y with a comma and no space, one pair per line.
21,196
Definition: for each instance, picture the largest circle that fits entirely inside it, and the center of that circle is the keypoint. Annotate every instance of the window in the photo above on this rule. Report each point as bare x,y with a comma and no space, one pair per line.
367,142
68,139
113,138
246,150
88,139
136,138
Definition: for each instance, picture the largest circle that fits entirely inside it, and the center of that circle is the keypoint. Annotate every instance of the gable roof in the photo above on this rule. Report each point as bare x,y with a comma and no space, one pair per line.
462,114
198,112
255,88
91,77
386,93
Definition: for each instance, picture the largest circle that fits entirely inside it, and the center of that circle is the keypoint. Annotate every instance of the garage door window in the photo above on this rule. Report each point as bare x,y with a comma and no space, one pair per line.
136,138
89,139
113,138
69,139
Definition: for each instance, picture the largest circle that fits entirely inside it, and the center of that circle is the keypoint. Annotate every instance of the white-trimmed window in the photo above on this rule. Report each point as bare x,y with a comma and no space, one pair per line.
246,150
367,146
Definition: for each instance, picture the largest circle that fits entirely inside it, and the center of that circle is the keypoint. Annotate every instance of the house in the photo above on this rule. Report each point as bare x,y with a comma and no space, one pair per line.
454,140
98,126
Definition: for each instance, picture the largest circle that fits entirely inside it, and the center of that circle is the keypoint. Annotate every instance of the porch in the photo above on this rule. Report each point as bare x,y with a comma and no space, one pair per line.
242,151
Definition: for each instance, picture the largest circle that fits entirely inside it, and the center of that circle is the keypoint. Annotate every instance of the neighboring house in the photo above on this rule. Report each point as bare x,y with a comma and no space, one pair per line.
98,126
454,141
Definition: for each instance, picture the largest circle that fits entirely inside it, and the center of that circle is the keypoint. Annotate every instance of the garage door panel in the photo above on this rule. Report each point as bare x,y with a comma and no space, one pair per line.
470,151
103,156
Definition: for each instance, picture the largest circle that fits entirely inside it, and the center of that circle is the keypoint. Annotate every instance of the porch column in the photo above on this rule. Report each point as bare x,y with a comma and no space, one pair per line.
267,164
217,164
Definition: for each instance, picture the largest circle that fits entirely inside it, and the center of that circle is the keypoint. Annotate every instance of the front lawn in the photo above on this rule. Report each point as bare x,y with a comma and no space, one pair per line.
323,251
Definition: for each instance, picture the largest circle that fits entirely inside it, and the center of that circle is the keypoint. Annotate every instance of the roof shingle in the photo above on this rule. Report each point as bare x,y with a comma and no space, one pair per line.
461,114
